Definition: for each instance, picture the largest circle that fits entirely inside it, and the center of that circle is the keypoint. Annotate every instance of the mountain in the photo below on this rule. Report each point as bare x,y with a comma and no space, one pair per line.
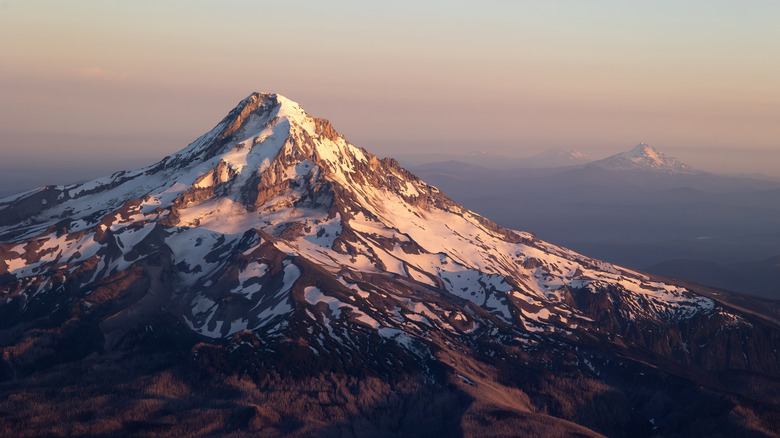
644,158
477,158
271,278
497,164
554,158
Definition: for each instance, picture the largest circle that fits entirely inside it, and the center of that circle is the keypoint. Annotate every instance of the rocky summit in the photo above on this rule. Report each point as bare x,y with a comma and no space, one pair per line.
272,279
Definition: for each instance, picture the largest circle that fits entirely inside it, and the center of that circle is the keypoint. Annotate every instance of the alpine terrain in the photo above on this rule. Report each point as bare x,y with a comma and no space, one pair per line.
272,279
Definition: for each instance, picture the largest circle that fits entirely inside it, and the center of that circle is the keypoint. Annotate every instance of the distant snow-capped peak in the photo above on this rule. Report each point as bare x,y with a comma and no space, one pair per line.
564,153
642,151
555,158
644,157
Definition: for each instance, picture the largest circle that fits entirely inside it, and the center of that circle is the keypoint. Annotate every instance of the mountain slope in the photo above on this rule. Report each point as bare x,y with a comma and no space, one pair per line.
272,247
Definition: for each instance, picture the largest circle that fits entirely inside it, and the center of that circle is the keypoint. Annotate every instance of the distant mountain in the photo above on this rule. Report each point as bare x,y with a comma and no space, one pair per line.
549,159
273,279
455,167
644,158
479,158
553,158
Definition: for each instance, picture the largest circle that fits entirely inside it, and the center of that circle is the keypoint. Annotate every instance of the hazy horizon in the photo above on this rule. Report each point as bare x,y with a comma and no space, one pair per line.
20,172
91,87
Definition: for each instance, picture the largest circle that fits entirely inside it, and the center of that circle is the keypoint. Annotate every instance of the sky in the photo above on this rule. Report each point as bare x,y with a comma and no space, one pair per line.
89,87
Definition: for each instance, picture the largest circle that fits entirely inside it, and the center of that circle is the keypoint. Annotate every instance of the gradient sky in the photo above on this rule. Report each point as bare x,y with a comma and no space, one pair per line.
105,85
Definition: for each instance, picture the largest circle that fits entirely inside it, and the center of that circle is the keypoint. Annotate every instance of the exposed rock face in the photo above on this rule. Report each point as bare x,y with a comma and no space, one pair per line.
272,248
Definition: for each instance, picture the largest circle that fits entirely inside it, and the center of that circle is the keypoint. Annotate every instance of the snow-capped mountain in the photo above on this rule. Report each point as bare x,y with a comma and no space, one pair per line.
554,158
644,157
286,250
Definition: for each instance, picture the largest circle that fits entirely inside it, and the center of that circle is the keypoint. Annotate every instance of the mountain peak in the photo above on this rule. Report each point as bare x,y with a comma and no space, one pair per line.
643,149
257,103
644,157
643,146
260,121
266,153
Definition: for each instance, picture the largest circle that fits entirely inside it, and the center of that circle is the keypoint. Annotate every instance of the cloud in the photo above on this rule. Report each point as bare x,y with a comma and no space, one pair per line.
100,73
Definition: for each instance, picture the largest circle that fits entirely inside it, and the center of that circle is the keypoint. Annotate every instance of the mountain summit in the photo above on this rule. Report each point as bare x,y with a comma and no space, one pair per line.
273,250
644,157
